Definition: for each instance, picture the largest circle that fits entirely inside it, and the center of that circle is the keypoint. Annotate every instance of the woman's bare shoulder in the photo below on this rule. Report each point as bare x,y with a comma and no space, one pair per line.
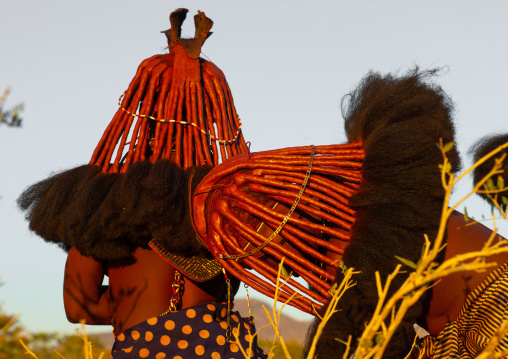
449,293
468,235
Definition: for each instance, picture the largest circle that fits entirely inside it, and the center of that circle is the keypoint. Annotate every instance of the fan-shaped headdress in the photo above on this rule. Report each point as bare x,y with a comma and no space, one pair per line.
301,195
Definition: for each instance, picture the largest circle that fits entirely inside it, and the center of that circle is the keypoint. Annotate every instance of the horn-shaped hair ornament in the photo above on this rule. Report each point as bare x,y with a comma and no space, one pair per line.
186,110
301,195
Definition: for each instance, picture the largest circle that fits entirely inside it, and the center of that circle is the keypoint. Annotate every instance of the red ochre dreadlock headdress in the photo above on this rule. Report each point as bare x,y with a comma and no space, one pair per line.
186,110
177,113
301,195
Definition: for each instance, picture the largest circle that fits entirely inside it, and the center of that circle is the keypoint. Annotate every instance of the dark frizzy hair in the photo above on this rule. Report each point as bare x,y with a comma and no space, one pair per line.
107,215
482,148
399,119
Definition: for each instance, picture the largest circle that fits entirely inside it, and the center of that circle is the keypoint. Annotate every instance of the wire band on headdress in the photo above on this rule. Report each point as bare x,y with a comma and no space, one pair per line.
212,137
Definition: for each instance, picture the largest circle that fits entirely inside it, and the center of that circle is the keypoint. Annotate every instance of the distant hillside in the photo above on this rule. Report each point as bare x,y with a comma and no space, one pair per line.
289,328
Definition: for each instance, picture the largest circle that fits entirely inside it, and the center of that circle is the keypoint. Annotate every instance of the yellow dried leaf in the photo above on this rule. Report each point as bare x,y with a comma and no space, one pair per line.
448,147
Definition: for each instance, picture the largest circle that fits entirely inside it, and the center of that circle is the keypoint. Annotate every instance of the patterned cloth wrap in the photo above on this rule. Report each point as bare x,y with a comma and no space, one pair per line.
481,315
196,332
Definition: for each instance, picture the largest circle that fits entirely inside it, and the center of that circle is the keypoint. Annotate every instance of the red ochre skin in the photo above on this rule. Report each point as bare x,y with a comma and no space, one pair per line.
135,293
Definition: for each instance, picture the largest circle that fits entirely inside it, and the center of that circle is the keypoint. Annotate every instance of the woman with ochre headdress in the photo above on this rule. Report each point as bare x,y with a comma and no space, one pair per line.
127,215
363,205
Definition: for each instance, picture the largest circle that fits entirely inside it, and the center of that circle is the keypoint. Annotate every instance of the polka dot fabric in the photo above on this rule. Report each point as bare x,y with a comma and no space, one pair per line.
197,332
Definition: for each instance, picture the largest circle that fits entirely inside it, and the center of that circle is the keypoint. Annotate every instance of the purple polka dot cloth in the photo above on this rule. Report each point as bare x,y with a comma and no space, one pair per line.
196,332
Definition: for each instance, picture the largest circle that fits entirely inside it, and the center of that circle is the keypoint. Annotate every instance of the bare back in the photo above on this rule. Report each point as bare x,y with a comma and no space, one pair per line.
136,292
141,290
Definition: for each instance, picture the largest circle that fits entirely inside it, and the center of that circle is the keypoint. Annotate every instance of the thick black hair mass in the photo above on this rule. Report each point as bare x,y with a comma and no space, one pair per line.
482,148
107,215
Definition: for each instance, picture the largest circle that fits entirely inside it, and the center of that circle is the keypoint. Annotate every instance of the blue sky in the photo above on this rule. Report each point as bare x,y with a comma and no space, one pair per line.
288,64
